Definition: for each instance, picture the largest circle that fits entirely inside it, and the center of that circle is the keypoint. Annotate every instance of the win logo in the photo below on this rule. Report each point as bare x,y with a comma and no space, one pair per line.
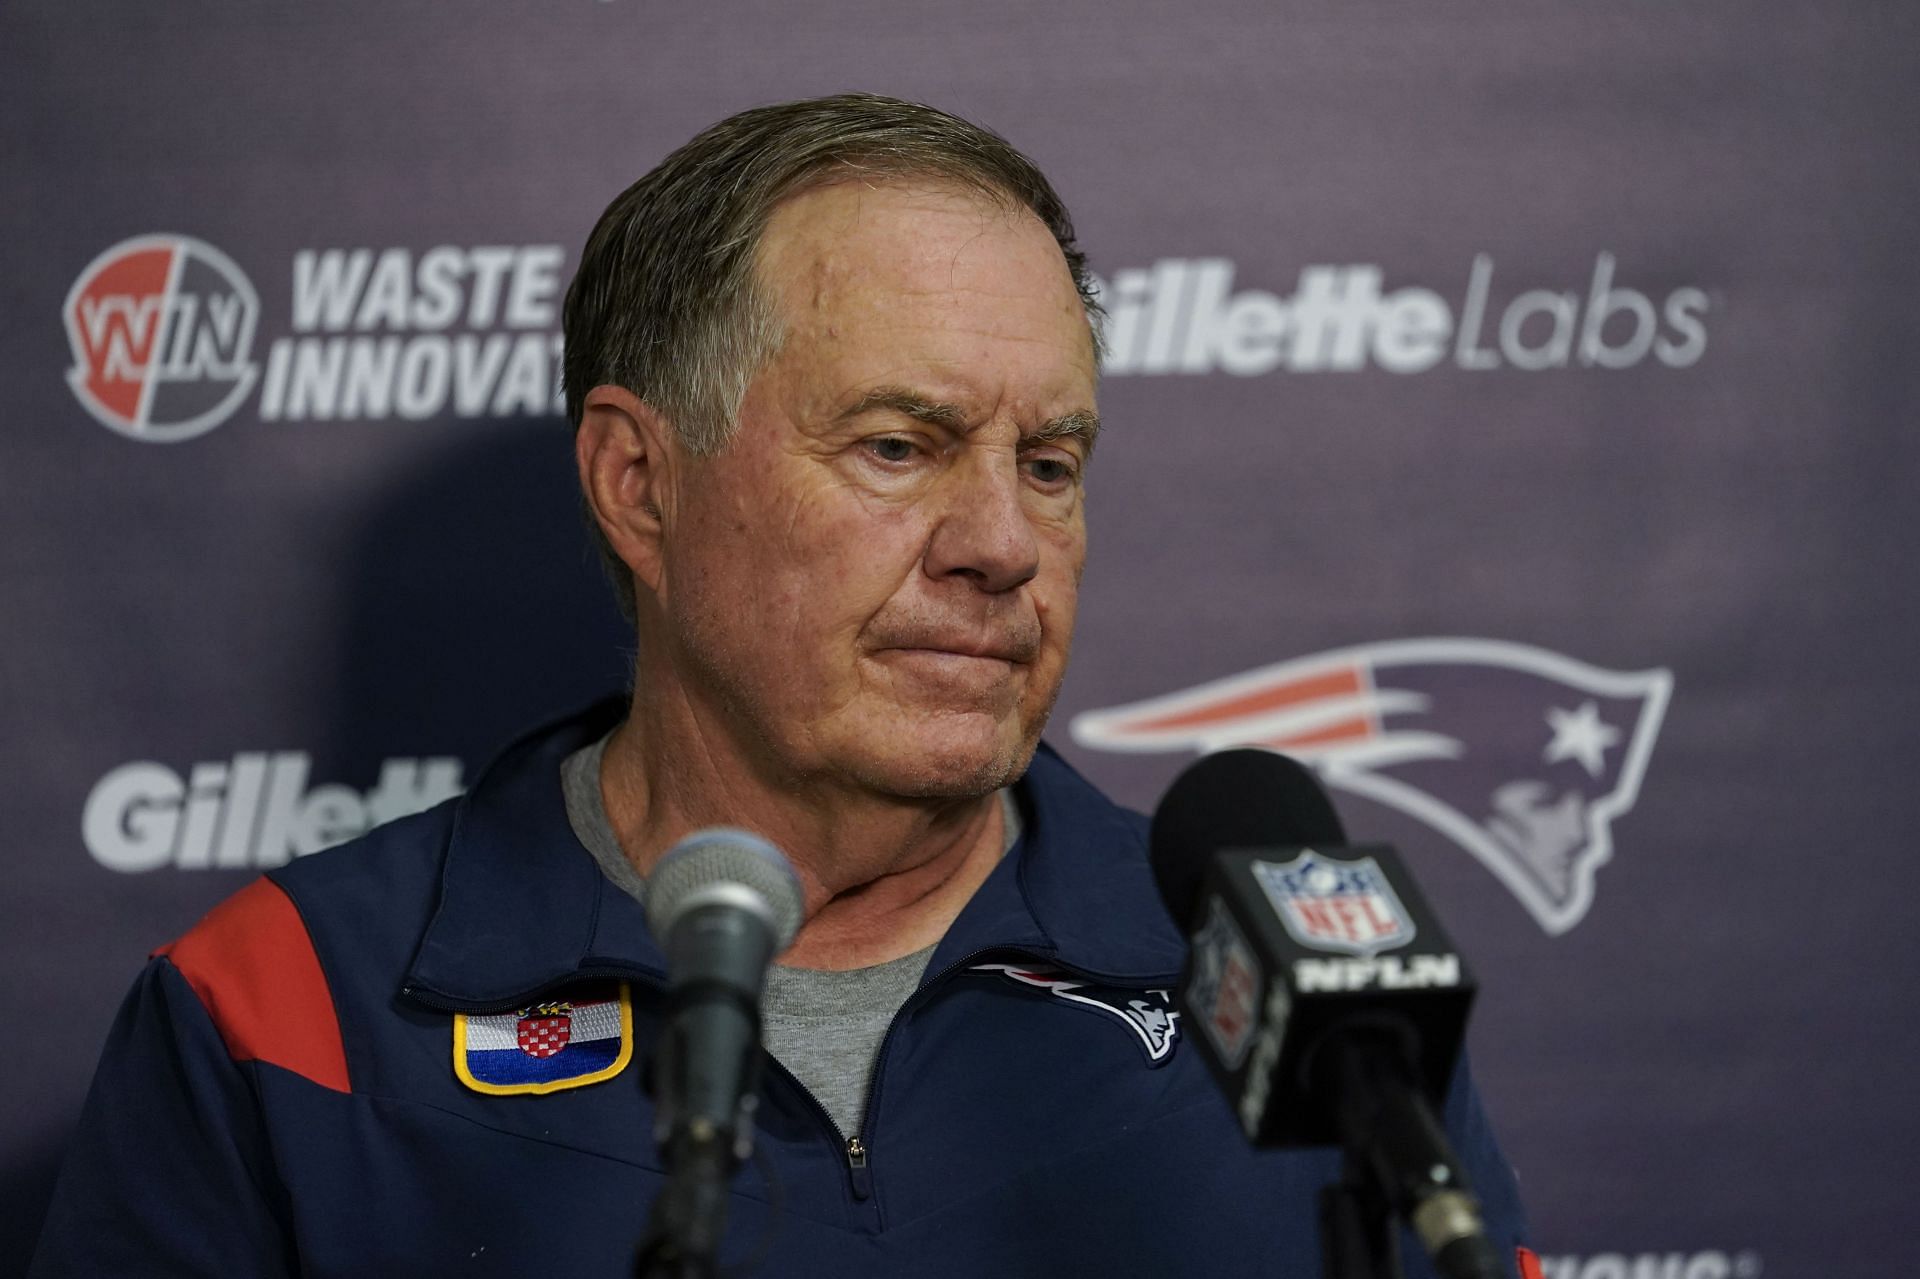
161,328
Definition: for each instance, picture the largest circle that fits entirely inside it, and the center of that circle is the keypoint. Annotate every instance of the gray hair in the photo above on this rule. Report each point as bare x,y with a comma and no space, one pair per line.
665,301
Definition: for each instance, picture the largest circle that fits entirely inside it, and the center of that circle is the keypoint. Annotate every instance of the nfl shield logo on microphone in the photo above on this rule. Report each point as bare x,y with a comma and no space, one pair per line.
1341,906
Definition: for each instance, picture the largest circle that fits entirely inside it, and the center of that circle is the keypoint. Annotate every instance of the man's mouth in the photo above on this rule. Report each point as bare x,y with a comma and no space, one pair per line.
1006,652
968,669
947,657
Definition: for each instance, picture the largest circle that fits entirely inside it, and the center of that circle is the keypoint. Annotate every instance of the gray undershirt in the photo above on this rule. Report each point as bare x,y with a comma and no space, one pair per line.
823,1026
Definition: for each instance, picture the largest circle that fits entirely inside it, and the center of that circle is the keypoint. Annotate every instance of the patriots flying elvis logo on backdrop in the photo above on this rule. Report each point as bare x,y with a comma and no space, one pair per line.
1521,756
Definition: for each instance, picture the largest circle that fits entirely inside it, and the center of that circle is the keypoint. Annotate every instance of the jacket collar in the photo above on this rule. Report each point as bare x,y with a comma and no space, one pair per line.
524,908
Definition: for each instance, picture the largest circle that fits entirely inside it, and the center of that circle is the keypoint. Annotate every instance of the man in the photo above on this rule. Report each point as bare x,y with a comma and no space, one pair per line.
832,366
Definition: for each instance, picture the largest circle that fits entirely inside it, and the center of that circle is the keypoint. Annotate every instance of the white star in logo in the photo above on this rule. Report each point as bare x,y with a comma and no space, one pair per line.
1580,735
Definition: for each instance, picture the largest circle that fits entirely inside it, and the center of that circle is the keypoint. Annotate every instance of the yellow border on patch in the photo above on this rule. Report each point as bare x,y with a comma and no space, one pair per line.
552,1085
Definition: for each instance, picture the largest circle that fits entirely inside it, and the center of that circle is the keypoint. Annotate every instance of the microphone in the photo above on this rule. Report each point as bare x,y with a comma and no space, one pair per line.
721,903
1330,1003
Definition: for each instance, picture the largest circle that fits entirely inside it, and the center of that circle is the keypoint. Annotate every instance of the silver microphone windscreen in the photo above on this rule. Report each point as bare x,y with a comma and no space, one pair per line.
722,865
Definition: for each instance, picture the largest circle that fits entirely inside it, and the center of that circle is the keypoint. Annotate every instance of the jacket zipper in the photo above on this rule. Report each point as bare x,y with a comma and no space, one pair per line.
857,1177
860,1146
856,1145
857,1169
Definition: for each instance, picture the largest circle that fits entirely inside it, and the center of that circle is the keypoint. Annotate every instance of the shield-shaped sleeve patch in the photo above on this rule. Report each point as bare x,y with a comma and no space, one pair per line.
569,1041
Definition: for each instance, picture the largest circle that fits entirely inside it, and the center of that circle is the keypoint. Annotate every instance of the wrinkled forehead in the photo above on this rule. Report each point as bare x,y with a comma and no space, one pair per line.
867,254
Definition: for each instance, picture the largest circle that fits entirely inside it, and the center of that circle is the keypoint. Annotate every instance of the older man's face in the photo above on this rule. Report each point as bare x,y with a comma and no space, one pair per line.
875,582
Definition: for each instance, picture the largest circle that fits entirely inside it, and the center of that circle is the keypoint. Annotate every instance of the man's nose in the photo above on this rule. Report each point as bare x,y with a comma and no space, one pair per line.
984,532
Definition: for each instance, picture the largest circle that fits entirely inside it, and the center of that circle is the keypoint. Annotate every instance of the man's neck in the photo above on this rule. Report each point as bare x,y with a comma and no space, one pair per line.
882,876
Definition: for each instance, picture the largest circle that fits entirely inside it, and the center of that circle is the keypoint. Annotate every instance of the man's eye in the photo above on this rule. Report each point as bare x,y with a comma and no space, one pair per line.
1049,470
891,448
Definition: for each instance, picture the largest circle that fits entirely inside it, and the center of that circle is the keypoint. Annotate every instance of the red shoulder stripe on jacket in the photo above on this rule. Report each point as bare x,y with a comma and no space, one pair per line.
252,963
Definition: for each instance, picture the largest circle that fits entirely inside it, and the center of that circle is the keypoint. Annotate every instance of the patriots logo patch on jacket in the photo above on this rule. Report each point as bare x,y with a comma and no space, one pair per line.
1521,756
567,1042
1149,1014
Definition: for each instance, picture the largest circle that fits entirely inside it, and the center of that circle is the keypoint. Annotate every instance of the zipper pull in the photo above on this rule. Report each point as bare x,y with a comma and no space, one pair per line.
857,1169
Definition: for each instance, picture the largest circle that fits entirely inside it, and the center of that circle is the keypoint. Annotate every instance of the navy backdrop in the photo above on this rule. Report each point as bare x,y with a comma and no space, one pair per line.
1510,412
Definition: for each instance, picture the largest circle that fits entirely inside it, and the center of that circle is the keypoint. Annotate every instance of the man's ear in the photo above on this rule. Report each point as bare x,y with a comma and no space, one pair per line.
624,453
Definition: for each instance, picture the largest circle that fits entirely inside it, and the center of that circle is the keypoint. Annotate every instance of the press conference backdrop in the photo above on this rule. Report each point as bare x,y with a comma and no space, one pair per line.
1510,410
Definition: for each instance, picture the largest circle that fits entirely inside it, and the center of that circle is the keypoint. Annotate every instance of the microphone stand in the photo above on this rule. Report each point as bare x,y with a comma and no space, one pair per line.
1357,1238
689,1214
1395,1165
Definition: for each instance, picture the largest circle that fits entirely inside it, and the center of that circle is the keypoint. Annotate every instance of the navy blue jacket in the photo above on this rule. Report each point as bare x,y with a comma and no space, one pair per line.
280,1093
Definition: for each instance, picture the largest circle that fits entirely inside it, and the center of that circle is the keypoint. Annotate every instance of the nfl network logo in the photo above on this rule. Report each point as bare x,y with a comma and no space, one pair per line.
1341,906
161,328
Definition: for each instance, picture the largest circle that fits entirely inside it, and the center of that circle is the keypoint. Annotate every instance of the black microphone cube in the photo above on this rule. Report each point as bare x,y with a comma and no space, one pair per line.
1290,942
